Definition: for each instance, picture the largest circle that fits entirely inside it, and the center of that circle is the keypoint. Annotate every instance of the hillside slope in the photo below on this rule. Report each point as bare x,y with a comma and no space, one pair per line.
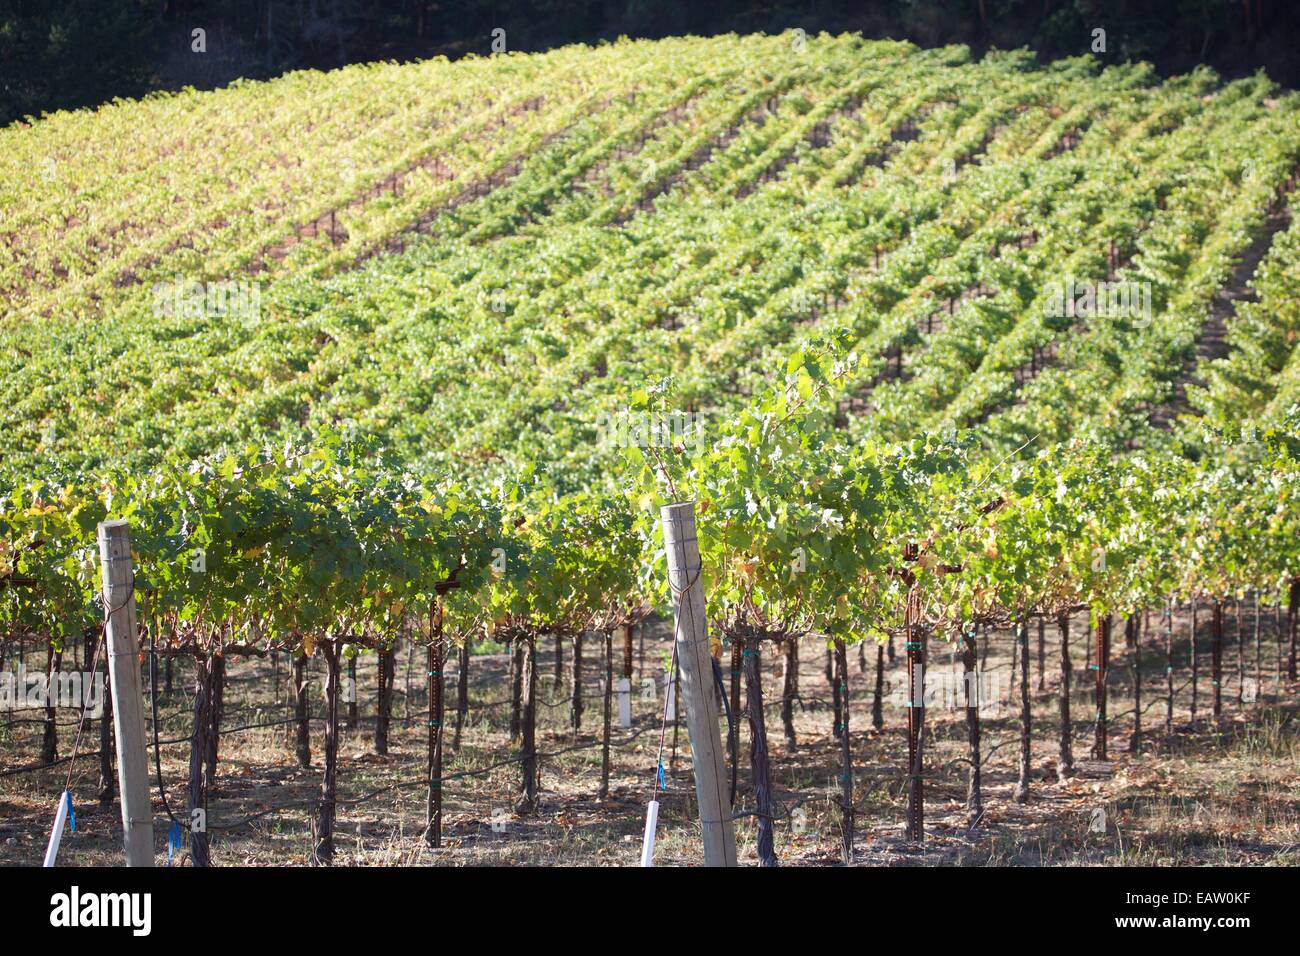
515,244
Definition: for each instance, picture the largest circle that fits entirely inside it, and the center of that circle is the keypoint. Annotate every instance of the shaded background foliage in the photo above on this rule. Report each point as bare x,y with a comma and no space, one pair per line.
57,54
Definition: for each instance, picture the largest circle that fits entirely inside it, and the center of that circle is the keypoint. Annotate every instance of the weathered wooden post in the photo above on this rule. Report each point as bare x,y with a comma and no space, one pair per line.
128,704
690,631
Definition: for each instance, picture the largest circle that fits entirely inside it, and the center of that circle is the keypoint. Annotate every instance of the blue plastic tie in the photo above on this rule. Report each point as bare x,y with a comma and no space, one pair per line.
72,814
663,782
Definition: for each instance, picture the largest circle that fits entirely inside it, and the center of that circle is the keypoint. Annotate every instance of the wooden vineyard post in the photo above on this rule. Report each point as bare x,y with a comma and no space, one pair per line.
128,704
690,632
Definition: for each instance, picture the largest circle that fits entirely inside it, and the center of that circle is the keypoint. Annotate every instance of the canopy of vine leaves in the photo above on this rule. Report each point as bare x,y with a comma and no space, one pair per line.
454,312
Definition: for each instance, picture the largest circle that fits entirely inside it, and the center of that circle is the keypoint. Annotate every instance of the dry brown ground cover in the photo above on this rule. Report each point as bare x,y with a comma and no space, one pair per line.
1217,794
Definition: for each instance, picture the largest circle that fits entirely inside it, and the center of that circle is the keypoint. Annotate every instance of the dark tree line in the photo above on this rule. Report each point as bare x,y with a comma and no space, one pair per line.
68,53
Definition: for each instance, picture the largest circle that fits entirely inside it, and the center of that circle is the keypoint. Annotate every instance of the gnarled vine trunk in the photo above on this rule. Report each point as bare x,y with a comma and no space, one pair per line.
107,781
406,688
915,647
606,715
973,689
733,738
462,692
1101,665
675,678
327,805
1021,793
196,794
1216,659
1135,741
433,764
351,694
1291,627
302,710
789,691
1169,669
527,802
1194,662
1042,654
846,758
385,666
216,713
760,771
50,734
877,695
836,700
628,652
1065,758
1241,650
1259,651
516,688
575,710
